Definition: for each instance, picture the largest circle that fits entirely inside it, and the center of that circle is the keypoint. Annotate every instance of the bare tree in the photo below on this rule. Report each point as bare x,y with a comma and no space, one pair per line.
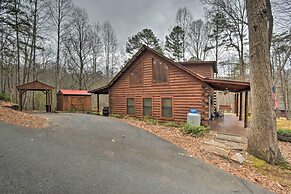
262,139
281,63
183,19
78,43
96,46
109,42
235,26
59,11
282,11
198,44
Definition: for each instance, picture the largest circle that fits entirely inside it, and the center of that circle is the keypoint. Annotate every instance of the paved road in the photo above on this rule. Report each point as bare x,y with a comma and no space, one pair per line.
75,154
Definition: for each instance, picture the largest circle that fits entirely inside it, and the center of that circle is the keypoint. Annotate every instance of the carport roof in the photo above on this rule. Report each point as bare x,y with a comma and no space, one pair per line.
35,85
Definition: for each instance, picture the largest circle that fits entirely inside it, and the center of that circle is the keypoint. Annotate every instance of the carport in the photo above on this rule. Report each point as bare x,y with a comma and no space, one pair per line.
36,86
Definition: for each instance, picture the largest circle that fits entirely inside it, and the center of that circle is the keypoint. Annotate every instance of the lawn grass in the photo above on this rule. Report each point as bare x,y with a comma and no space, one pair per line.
283,123
280,173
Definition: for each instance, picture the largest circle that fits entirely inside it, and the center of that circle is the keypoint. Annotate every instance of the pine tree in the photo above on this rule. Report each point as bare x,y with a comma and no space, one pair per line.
174,43
144,37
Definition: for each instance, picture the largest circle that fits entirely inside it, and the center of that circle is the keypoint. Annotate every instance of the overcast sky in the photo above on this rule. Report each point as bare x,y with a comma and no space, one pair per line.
131,16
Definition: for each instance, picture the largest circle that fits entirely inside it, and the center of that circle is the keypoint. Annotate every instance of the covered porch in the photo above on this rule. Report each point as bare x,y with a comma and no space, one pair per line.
236,121
103,90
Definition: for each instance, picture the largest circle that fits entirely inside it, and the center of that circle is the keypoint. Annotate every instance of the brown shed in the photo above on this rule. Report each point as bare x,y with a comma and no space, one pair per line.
73,100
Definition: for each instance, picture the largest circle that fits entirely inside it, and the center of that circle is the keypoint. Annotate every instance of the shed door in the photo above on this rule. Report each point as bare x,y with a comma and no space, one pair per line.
77,102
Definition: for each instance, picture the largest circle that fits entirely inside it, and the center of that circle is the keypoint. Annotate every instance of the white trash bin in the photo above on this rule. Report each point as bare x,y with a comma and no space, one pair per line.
194,118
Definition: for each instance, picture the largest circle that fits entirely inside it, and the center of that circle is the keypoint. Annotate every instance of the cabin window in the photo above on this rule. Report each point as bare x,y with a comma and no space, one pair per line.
167,110
136,75
160,71
130,106
147,106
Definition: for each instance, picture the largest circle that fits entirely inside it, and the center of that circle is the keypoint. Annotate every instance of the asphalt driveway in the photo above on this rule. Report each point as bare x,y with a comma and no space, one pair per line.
78,153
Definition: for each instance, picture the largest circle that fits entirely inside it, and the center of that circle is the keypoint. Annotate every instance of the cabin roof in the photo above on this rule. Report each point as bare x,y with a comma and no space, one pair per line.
216,84
74,92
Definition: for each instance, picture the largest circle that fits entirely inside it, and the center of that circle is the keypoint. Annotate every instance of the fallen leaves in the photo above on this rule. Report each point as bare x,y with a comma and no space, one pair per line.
195,147
19,118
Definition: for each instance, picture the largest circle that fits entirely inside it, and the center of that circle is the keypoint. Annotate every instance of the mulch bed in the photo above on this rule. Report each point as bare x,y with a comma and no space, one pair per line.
9,115
195,147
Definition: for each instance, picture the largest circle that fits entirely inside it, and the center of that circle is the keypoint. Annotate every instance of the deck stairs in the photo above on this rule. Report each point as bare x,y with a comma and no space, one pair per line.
227,146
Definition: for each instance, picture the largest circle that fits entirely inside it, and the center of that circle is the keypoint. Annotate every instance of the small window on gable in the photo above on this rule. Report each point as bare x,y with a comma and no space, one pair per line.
160,71
136,75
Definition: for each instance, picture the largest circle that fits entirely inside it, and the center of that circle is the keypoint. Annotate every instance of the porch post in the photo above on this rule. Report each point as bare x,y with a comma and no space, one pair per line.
234,107
97,103
236,104
246,110
240,106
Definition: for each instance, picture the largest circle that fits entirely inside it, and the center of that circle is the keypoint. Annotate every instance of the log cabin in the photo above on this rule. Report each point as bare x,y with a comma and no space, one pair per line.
151,84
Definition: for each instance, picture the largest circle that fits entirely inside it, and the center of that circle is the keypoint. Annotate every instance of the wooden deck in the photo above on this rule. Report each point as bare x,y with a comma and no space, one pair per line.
229,125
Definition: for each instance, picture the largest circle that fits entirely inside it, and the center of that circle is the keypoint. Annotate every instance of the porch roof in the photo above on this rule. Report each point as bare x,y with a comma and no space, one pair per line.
230,85
101,90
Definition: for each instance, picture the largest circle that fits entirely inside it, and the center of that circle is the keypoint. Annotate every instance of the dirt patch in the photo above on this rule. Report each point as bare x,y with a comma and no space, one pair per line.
9,115
275,178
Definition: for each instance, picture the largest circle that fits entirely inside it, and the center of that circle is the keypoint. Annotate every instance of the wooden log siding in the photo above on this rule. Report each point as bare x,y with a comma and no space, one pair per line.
184,89
206,92
202,69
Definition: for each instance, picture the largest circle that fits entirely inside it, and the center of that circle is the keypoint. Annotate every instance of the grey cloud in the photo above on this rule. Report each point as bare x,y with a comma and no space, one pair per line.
130,16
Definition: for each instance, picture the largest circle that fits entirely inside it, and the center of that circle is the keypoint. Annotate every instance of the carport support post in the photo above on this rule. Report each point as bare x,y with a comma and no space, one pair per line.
246,110
240,106
20,99
46,101
97,103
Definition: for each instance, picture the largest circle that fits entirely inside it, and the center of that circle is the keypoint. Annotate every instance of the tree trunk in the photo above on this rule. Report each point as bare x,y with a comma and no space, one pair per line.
262,138
16,4
34,48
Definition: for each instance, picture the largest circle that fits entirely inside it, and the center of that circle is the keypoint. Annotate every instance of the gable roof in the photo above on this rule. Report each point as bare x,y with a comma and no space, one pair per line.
74,92
34,85
131,61
144,48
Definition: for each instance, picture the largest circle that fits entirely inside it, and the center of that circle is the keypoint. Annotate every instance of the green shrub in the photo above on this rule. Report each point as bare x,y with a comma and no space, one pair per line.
193,131
5,97
88,111
117,116
172,124
149,120
284,132
72,110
